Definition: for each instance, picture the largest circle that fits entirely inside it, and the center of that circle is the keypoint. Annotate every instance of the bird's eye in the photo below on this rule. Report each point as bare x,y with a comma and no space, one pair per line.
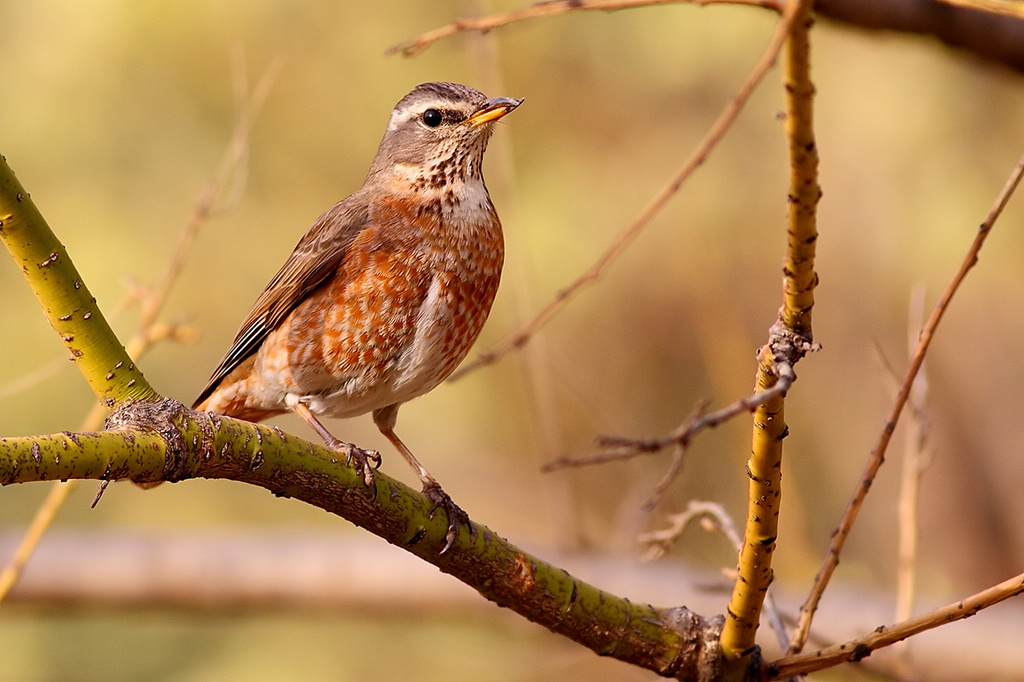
432,118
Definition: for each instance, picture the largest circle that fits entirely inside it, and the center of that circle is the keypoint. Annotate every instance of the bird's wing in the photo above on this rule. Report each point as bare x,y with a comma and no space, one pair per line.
315,257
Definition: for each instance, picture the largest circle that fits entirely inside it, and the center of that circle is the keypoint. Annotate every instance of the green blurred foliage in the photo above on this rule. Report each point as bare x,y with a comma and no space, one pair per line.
116,113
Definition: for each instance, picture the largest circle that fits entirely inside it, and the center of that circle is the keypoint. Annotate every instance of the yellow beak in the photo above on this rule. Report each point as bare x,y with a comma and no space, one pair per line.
492,110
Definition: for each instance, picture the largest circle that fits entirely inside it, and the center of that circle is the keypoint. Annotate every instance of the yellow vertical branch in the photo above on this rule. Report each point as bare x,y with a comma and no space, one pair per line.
764,469
804,191
789,339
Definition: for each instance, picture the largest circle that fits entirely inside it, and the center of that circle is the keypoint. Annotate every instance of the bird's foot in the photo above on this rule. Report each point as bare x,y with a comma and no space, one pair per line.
432,489
363,458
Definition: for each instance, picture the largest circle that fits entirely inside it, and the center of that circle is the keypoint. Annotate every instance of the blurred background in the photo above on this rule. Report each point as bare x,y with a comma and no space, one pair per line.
116,114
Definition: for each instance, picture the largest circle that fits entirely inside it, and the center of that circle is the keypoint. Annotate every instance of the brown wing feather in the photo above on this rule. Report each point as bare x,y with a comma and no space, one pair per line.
315,257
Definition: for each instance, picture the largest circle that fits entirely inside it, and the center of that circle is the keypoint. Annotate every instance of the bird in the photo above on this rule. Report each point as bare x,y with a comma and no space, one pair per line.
385,294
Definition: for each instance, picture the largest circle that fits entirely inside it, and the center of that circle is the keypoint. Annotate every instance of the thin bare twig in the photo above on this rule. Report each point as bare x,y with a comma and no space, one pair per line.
42,521
913,465
857,649
718,129
878,453
148,331
713,518
914,458
788,349
230,165
619,448
549,8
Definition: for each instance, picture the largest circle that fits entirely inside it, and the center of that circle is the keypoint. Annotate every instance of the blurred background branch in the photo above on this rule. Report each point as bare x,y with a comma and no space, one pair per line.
148,330
990,29
975,27
877,457
632,231
319,576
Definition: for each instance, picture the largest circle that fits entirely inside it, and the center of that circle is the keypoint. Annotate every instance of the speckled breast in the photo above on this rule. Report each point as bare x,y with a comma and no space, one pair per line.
406,305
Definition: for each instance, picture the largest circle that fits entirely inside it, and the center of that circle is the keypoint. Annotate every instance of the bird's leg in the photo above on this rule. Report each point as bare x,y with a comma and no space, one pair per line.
385,420
435,493
362,457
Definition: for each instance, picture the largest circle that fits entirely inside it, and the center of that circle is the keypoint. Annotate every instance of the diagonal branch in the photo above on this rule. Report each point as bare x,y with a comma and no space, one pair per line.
992,36
156,439
855,650
990,29
65,299
231,164
878,453
725,119
162,440
1013,8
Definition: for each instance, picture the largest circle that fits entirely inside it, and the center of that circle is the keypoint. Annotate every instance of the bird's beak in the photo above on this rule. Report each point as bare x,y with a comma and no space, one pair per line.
492,110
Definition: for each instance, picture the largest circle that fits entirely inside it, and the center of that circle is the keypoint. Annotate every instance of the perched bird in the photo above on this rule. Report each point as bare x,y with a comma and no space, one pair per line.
385,294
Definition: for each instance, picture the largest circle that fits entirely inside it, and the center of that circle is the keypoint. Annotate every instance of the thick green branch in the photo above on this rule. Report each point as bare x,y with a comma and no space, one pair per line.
66,301
161,440
150,439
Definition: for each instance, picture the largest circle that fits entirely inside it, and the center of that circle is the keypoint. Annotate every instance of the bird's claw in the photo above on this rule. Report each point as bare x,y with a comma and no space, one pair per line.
363,459
441,500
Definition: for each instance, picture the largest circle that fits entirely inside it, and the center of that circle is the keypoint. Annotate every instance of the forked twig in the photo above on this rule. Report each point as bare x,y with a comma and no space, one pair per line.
546,9
520,337
713,518
787,347
878,453
617,448
626,448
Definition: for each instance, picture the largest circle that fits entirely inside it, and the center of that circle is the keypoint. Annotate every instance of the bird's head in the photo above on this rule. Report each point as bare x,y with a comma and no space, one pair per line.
437,136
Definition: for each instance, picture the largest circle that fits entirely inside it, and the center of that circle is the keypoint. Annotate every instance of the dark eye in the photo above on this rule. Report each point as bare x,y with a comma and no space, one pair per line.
432,118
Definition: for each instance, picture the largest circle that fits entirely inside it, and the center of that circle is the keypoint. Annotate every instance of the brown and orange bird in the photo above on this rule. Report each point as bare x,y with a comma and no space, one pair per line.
385,294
